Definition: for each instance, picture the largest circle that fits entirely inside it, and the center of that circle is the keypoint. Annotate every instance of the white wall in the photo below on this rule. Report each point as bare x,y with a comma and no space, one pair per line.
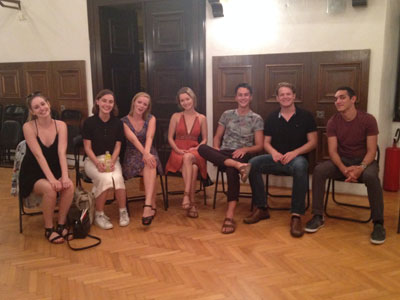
46,30
304,26
58,30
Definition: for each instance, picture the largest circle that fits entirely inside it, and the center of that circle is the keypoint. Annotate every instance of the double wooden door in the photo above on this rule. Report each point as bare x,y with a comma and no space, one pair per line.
174,54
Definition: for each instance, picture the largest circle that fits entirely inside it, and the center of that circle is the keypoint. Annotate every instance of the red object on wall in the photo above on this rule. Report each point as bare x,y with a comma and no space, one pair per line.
391,178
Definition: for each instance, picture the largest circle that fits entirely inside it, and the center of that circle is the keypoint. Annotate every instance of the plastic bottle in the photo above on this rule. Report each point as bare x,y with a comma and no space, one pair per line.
107,161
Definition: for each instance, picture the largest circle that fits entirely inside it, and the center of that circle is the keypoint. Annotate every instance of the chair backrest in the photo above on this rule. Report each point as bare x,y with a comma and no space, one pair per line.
55,115
71,114
1,115
16,112
77,146
11,134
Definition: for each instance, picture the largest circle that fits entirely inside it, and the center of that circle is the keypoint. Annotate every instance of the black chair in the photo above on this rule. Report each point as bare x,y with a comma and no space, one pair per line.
71,115
23,212
1,116
268,194
73,120
220,174
10,136
55,115
331,182
78,151
167,192
32,202
17,113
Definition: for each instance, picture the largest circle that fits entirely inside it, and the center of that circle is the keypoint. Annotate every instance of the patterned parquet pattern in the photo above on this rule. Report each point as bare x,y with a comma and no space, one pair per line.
181,258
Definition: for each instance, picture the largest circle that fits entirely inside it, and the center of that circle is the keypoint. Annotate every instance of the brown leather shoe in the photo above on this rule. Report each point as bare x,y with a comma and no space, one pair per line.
256,215
296,228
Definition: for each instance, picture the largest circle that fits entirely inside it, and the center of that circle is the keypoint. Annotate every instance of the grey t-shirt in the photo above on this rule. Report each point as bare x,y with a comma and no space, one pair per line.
239,130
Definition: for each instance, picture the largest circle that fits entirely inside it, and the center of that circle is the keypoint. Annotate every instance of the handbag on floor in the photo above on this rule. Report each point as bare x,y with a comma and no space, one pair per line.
78,219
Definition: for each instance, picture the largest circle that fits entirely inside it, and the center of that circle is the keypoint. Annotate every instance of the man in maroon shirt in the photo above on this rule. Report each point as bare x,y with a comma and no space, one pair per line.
352,144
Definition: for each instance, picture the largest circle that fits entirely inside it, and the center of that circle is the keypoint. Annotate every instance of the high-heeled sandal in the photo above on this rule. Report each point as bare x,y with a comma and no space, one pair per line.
147,220
48,232
192,213
60,229
187,205
155,211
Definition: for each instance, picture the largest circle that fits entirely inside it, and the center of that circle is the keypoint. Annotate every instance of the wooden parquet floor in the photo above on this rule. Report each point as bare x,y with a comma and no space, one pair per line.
181,258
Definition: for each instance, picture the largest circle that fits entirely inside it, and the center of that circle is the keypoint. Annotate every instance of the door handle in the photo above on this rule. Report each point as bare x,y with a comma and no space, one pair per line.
320,114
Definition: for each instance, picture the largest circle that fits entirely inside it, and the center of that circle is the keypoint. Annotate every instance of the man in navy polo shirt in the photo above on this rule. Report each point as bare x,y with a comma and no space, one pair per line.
290,133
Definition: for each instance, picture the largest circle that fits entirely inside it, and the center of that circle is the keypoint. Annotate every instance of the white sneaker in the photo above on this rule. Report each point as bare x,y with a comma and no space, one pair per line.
123,218
103,221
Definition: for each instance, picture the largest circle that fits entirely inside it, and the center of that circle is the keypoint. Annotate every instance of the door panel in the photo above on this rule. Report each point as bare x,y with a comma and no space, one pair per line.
172,58
331,70
120,54
316,76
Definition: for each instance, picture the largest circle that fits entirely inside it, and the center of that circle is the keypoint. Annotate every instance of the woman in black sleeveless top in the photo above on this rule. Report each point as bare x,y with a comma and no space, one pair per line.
44,169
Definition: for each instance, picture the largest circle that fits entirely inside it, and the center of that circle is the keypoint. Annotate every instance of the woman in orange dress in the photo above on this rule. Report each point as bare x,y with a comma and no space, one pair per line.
187,126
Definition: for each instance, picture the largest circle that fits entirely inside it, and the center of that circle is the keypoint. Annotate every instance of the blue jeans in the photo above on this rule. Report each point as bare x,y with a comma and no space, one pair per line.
264,164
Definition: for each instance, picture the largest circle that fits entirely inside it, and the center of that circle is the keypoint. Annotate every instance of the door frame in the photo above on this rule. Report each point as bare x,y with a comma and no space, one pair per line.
93,7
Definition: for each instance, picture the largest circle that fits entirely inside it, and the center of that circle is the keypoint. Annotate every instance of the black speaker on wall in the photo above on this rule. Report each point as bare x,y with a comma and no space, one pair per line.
359,3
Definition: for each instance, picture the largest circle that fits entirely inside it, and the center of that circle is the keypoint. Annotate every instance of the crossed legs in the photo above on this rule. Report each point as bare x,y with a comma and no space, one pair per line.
233,167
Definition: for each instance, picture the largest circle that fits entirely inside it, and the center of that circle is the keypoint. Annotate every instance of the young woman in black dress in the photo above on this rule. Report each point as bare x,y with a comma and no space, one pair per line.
44,169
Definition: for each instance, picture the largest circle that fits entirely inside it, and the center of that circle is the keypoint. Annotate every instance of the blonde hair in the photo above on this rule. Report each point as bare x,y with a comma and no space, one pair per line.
287,85
29,100
189,91
148,110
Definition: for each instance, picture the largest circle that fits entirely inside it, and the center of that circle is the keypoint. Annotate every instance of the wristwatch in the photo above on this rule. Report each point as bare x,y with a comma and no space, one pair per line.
363,165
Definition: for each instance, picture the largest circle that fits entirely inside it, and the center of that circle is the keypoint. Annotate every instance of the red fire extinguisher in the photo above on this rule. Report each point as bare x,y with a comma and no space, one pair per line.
391,178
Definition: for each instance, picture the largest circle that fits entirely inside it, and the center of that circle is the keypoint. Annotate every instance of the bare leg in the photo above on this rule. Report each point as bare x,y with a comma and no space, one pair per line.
120,194
243,168
233,163
149,178
192,212
230,212
153,199
101,201
66,197
195,170
49,196
187,174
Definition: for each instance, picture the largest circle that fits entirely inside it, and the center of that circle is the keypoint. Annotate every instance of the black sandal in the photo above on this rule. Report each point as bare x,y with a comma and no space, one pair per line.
147,220
47,234
155,212
60,228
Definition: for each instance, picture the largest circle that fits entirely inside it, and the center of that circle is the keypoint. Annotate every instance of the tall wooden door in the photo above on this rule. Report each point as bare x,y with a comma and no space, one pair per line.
174,48
120,54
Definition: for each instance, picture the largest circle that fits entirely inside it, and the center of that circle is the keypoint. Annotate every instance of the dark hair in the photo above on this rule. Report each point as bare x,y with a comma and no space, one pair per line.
102,93
148,110
284,84
29,99
189,91
348,89
244,85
